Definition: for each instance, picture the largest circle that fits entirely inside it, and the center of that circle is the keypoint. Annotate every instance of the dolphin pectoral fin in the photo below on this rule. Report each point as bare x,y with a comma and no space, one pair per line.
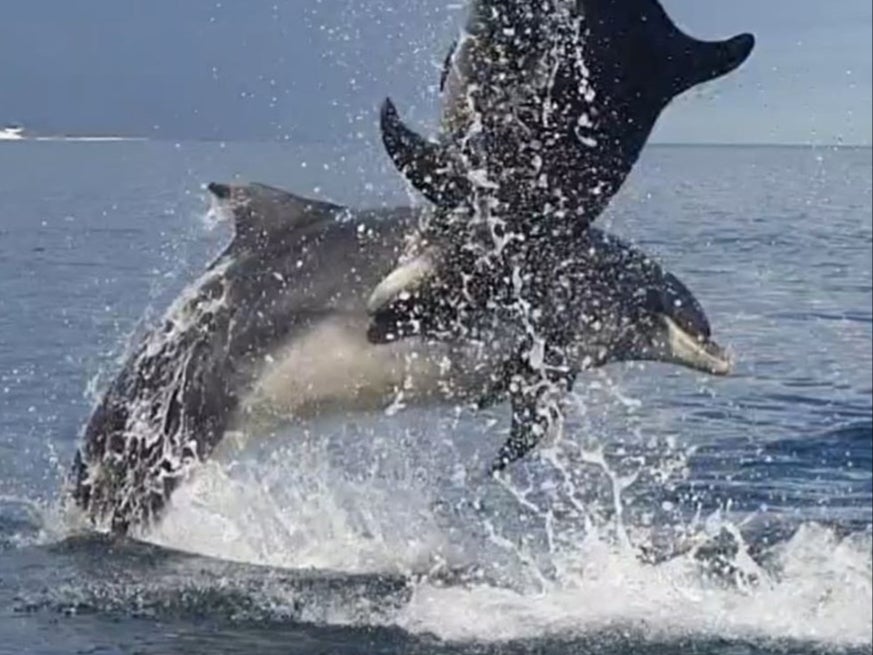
492,395
533,417
427,165
535,393
529,426
501,381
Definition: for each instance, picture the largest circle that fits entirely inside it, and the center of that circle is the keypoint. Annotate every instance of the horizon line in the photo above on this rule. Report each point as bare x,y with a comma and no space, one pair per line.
757,144
57,138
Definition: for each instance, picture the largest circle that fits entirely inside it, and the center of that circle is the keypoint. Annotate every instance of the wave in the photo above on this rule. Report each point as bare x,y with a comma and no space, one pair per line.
97,574
293,541
818,591
88,139
350,526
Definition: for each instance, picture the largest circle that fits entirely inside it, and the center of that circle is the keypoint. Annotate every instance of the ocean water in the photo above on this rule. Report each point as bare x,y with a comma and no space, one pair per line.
677,513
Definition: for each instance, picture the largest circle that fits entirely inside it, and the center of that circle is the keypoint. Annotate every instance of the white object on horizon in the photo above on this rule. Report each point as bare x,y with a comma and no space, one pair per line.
90,138
11,134
16,133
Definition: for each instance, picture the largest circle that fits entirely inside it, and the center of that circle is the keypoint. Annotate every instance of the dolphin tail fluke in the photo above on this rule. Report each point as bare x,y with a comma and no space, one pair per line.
427,165
708,60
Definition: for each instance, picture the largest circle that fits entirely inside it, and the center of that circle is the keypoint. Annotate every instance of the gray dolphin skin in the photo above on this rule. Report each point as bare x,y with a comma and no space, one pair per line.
547,108
277,326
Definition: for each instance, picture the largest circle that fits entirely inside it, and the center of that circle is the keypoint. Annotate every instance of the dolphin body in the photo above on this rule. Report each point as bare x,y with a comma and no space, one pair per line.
548,105
277,324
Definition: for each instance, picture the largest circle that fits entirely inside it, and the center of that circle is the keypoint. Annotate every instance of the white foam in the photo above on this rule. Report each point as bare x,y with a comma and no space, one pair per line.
297,512
823,594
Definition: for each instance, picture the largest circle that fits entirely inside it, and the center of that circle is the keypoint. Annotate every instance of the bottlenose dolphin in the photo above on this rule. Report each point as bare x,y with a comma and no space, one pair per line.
278,323
547,108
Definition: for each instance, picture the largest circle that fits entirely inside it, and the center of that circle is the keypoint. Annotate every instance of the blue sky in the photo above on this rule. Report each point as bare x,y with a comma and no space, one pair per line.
316,70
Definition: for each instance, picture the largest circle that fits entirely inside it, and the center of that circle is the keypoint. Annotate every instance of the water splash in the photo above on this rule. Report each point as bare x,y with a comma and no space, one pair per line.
558,551
553,553
603,587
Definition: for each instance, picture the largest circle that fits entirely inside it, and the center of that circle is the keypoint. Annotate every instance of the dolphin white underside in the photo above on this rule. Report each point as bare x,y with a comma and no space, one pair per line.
333,369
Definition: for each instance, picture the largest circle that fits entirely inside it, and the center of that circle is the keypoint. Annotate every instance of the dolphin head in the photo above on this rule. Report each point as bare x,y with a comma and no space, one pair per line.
622,307
652,316
628,308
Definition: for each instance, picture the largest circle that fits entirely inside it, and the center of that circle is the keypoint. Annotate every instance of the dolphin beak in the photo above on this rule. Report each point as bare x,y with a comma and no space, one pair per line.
688,350
403,280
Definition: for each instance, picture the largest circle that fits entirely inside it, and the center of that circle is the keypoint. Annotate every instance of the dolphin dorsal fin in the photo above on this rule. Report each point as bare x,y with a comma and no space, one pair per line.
263,214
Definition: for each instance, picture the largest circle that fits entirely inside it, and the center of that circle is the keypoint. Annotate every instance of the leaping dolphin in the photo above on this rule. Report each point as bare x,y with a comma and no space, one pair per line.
547,108
277,323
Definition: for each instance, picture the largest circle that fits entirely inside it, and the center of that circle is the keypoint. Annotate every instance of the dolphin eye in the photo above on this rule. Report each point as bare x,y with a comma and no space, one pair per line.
685,310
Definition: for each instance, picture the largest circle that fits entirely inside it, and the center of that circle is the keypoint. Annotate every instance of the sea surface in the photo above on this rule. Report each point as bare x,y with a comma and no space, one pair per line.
677,514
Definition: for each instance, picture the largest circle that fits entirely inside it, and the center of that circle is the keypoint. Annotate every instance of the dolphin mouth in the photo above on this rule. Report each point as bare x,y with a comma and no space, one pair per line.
698,354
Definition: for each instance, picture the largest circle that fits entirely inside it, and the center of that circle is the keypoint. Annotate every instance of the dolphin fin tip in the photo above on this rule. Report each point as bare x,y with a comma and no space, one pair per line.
220,191
389,109
710,60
